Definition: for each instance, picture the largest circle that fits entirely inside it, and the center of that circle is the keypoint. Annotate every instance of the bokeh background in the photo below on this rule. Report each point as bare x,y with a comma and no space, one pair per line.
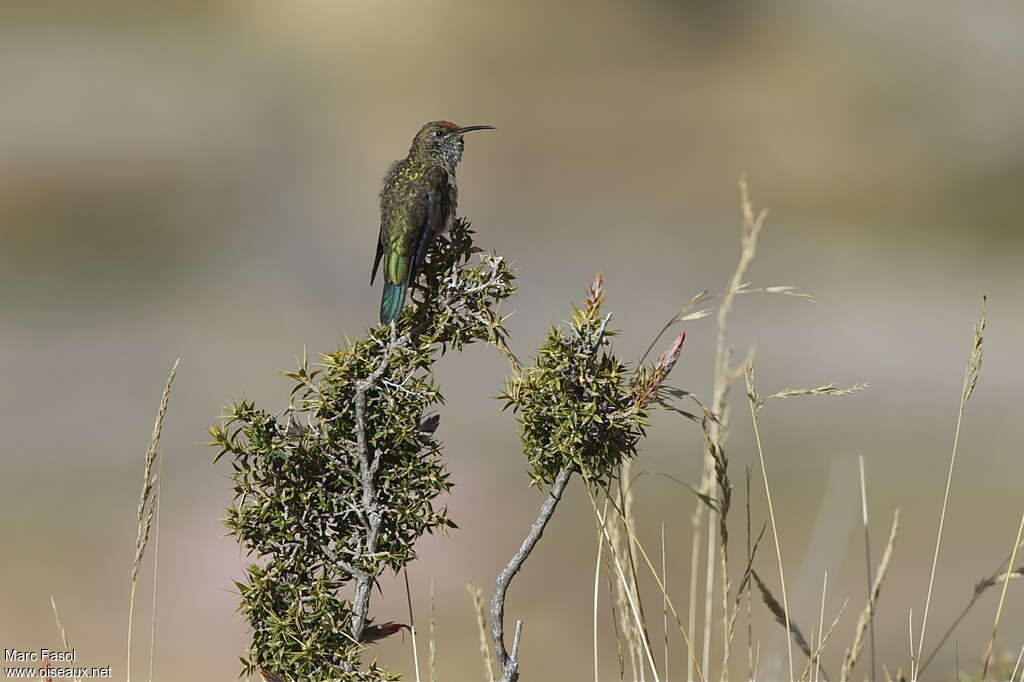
199,180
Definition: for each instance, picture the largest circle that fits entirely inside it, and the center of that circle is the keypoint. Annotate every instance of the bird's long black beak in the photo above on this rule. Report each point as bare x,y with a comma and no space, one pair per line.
460,131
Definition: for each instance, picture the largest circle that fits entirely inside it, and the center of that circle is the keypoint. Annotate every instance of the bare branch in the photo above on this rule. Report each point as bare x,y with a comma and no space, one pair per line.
509,662
368,464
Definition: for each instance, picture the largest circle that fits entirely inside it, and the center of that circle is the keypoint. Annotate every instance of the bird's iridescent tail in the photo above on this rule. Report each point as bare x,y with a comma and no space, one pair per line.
391,302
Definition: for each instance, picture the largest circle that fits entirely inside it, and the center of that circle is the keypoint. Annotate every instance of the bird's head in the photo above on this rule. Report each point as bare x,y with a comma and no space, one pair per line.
441,141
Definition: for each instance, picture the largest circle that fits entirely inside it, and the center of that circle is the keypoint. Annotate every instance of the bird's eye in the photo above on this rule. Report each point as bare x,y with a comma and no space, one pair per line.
438,133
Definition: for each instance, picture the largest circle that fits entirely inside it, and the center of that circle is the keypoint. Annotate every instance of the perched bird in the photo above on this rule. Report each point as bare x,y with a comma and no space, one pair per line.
416,204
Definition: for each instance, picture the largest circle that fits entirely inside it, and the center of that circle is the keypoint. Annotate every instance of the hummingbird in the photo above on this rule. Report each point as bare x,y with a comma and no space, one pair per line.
416,204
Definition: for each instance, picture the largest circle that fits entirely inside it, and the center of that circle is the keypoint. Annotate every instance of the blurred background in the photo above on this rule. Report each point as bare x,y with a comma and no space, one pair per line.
199,180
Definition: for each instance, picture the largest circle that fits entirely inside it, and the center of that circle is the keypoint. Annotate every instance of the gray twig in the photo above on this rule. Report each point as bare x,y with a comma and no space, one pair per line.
515,640
368,464
510,662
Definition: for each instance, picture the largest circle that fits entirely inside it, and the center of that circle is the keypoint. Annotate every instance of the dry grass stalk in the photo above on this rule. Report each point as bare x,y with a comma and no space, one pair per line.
715,462
664,601
606,528
625,589
60,626
992,581
432,657
971,374
611,594
785,289
628,524
1016,665
979,589
750,561
779,611
827,390
724,487
597,594
910,629
814,662
156,565
611,602
853,653
753,222
147,500
709,591
481,625
867,557
757,402
689,313
691,621
620,605
730,625
754,400
623,584
1002,600
821,626
60,629
412,625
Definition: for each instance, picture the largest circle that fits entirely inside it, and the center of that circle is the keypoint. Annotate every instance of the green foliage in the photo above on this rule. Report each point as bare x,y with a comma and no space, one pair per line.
578,405
335,489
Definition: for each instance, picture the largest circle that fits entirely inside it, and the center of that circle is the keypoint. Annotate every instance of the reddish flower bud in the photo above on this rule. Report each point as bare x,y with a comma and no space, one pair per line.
595,294
668,359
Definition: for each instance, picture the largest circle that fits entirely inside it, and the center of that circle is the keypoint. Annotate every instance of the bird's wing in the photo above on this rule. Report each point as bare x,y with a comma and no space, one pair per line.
426,235
382,236
402,226
439,207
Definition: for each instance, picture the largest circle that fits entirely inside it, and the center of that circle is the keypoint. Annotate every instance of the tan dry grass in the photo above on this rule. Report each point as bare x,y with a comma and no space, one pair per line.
853,653
971,374
1002,600
412,626
147,508
603,525
432,648
477,595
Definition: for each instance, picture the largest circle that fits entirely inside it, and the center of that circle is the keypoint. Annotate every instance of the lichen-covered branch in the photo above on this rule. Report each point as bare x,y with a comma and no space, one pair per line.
368,465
